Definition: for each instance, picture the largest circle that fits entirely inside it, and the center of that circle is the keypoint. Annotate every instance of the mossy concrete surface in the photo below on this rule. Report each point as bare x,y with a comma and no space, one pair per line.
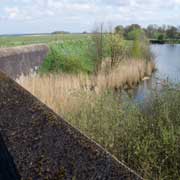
16,61
44,146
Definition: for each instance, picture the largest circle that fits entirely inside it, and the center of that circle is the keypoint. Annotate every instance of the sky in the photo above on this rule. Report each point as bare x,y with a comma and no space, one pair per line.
41,16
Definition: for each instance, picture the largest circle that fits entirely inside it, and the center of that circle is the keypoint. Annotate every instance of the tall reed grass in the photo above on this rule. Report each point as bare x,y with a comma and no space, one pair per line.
57,90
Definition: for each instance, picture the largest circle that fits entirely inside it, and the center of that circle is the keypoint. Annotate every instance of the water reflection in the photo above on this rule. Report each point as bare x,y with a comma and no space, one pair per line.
167,58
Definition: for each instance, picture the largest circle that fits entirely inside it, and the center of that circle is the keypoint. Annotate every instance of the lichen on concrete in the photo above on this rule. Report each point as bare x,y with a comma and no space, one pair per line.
44,146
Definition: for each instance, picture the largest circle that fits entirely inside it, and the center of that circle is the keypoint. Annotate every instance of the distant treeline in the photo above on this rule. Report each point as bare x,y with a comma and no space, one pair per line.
153,32
60,32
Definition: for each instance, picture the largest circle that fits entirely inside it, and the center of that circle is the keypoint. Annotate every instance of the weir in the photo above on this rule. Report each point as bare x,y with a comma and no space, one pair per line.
40,145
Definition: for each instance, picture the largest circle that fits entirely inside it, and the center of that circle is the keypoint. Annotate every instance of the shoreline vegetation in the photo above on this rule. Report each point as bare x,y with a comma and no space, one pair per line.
93,65
165,41
83,80
59,91
146,142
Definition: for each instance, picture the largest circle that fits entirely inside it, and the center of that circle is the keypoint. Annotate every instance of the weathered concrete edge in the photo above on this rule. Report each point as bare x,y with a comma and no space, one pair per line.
22,60
80,137
108,153
12,51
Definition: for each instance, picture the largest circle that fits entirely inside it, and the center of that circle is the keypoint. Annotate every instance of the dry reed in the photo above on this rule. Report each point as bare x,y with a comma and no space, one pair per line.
60,91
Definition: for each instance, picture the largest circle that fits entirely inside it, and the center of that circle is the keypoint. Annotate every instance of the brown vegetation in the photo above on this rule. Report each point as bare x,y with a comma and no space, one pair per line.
59,91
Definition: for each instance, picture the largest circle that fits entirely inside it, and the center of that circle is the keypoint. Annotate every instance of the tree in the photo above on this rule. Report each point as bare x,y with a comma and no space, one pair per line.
151,31
161,37
98,47
171,32
117,48
178,33
119,29
136,51
132,35
140,48
130,28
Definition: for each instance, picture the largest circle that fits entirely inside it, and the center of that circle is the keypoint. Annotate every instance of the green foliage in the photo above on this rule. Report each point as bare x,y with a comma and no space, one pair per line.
96,49
146,142
107,45
6,41
119,30
131,28
136,34
70,57
73,53
140,47
117,48
136,50
169,32
161,37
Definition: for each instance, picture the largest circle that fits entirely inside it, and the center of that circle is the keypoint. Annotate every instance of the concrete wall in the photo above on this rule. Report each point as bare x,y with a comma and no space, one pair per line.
8,169
22,60
44,146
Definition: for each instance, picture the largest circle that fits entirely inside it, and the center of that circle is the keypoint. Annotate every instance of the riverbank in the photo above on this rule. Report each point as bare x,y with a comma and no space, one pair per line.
149,144
166,41
81,81
59,90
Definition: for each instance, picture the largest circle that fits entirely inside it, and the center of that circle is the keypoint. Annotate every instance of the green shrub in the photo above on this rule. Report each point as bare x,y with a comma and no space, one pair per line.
149,142
161,37
86,54
140,48
70,57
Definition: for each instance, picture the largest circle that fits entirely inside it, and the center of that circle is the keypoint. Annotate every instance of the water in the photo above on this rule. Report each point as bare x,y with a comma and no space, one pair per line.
167,59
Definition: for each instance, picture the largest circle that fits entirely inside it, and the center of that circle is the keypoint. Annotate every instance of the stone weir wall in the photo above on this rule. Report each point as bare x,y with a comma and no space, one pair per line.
45,147
16,61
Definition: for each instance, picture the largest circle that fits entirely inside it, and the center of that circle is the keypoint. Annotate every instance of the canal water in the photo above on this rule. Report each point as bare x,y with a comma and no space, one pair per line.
167,60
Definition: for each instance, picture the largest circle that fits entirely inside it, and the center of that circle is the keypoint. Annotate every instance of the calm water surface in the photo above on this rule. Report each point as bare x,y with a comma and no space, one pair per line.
167,59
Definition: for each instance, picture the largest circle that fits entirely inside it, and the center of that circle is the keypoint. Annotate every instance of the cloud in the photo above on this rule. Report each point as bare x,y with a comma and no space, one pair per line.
82,12
12,12
40,8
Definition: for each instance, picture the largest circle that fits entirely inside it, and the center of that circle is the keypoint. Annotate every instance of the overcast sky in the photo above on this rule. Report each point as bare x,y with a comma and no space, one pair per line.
34,16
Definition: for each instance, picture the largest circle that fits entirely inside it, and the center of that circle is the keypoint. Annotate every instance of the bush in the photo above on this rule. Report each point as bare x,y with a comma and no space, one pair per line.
117,48
136,33
86,55
70,57
161,37
147,142
141,48
97,47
